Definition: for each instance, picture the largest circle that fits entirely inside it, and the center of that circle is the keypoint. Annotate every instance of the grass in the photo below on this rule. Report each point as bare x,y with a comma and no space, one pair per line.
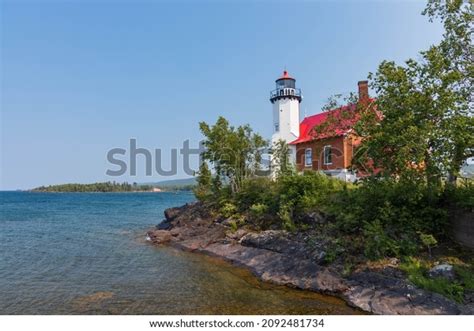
417,272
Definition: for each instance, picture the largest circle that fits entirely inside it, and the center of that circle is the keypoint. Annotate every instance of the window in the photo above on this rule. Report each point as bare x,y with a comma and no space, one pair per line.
327,155
277,127
308,157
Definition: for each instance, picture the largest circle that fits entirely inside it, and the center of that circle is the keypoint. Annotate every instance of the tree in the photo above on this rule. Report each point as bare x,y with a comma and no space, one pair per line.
281,158
457,51
422,126
204,182
427,126
235,153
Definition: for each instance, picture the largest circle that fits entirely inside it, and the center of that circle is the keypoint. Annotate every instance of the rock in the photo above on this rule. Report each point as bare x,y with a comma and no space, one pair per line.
320,257
164,225
159,236
444,270
314,218
380,294
279,241
237,235
172,213
296,260
227,221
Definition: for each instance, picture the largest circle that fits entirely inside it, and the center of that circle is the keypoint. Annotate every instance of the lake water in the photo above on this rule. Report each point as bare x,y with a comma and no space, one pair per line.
85,253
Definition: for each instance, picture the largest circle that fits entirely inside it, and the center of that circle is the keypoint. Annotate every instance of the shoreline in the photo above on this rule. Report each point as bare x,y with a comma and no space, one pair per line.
282,258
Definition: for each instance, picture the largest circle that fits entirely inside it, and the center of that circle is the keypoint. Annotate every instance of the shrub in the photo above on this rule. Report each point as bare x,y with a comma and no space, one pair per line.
428,241
258,190
228,209
309,191
287,222
389,215
461,196
378,242
258,210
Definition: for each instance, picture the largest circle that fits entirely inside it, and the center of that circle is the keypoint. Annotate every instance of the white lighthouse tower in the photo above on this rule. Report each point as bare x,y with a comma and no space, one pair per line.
286,100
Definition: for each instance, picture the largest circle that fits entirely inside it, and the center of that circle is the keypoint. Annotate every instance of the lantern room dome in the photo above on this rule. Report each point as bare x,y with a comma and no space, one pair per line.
285,75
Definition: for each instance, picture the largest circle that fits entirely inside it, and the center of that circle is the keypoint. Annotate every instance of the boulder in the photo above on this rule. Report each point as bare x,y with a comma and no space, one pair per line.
444,270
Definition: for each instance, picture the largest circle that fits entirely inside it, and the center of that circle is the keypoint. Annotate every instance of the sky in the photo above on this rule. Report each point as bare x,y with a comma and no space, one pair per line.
79,78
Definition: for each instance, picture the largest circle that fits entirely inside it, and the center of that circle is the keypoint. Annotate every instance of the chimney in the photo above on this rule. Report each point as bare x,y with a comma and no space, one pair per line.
363,90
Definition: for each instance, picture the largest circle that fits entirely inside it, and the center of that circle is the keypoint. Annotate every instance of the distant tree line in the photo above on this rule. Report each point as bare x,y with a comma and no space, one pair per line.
95,187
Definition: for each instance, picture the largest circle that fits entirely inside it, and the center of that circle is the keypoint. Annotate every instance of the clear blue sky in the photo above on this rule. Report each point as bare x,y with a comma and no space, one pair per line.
81,78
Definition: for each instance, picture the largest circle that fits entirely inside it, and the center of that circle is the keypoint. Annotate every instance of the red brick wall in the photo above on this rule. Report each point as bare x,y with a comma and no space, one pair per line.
341,153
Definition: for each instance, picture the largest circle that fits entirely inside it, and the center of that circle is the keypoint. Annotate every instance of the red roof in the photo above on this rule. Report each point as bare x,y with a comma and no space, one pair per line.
285,76
340,127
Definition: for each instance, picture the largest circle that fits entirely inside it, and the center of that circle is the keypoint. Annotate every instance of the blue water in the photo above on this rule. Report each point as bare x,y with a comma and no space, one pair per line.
85,253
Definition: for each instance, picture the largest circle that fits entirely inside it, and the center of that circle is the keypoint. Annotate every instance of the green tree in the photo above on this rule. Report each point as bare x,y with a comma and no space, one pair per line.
203,189
235,153
427,127
281,159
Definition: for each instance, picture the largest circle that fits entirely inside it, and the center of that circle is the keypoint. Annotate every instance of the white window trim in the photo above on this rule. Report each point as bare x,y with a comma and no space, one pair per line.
324,155
305,158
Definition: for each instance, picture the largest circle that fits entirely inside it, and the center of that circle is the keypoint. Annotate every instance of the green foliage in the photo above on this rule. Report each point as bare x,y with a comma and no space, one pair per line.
461,196
417,271
281,159
466,274
379,244
95,187
228,209
234,153
203,189
429,241
258,210
389,214
287,221
258,190
309,191
233,225
427,127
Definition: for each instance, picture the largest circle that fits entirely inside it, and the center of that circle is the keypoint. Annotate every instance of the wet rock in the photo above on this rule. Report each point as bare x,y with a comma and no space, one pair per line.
444,270
159,236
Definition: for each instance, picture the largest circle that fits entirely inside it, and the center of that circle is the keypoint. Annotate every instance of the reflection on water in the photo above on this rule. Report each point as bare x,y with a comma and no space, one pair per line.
87,254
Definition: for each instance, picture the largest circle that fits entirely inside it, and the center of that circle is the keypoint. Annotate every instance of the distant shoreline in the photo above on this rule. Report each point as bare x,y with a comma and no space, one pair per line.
110,187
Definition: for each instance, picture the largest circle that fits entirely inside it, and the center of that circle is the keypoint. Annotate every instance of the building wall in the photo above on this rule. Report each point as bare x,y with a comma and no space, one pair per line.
342,151
286,113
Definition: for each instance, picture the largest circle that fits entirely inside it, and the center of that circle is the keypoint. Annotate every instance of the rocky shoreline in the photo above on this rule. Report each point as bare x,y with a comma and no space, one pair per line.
288,259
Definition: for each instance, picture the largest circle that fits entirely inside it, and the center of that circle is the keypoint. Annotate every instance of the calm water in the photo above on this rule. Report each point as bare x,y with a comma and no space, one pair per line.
80,253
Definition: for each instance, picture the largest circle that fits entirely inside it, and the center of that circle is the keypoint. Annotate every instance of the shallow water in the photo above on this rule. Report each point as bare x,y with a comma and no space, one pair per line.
85,253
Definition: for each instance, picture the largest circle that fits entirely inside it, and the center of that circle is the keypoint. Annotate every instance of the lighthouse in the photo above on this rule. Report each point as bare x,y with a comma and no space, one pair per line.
286,99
